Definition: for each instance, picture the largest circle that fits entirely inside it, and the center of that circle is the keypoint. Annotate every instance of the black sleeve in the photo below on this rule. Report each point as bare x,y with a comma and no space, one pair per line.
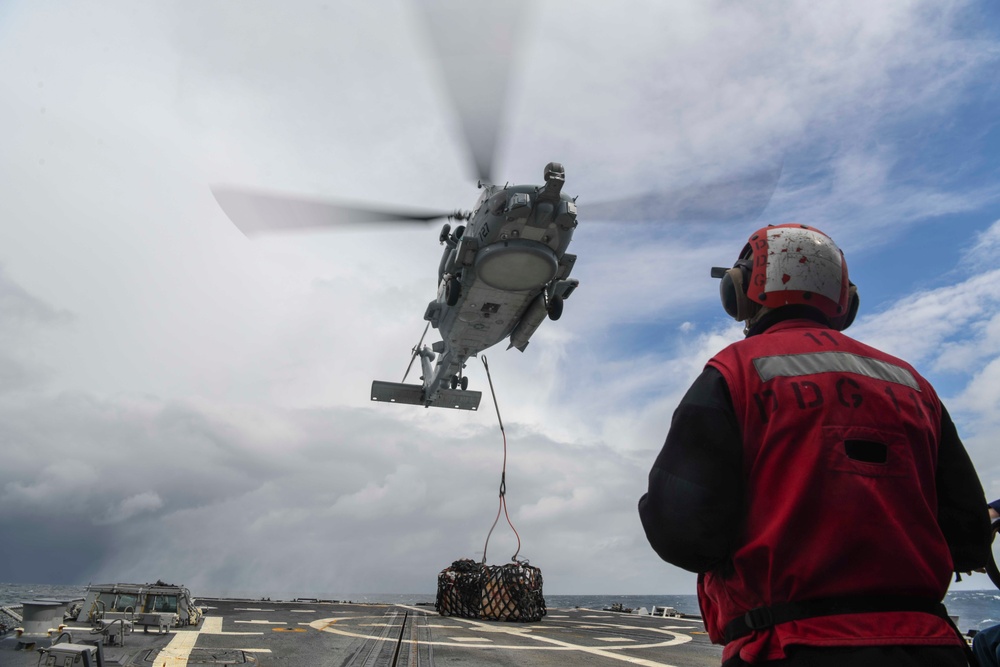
962,510
693,510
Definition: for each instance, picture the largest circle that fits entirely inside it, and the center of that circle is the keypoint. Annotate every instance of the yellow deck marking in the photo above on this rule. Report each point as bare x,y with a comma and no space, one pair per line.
614,639
177,652
212,625
302,611
263,622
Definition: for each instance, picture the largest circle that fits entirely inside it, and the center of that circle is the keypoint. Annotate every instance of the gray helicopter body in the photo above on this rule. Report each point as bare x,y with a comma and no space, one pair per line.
500,276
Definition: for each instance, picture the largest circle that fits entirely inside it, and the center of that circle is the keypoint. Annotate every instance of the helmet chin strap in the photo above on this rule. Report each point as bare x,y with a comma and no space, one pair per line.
753,319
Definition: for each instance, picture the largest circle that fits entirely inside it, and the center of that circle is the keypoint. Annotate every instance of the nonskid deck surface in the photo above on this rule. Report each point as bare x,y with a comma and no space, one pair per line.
370,635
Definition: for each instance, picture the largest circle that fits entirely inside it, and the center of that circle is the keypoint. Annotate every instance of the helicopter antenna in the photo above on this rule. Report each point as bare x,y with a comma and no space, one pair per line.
415,352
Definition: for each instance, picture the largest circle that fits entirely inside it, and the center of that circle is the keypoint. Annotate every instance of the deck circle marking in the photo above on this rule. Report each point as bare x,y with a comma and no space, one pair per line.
335,626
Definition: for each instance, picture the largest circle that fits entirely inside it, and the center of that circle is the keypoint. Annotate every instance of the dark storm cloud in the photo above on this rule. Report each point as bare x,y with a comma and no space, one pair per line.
333,500
45,546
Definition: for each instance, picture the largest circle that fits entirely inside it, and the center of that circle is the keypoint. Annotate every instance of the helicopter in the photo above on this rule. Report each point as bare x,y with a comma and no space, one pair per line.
501,274
499,277
505,266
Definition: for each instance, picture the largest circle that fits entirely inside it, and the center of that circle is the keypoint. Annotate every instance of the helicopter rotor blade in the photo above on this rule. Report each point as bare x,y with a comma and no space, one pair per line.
416,351
735,199
474,43
254,212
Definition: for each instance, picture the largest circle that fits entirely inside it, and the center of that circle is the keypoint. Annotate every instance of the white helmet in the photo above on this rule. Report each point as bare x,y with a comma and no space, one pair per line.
789,264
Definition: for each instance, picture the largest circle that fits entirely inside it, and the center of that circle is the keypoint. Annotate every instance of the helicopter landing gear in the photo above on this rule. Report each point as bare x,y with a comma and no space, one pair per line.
452,290
555,307
457,382
445,233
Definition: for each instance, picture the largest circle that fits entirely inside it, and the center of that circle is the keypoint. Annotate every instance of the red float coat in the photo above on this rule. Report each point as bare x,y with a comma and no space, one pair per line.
826,516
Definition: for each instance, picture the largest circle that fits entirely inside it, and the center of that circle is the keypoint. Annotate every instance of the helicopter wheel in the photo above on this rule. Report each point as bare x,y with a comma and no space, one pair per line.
465,383
454,381
555,308
452,291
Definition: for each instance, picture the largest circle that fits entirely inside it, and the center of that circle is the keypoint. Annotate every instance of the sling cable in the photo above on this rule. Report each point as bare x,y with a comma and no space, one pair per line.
511,592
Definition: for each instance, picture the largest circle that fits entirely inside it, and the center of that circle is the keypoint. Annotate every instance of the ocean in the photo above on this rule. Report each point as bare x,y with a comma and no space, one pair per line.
976,609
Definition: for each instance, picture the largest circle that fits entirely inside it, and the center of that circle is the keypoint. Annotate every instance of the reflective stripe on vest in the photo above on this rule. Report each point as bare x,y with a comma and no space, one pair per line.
794,365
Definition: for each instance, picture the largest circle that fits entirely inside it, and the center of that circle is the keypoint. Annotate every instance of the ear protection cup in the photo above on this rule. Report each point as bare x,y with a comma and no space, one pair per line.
733,291
853,302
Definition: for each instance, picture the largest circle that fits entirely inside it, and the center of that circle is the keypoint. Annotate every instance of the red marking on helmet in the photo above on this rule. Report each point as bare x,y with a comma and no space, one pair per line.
785,278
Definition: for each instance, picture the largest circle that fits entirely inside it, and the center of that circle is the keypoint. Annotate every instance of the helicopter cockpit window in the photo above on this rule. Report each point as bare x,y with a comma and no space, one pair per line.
498,204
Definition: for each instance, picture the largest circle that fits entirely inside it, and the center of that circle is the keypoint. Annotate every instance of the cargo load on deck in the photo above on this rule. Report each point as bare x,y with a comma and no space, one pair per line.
511,592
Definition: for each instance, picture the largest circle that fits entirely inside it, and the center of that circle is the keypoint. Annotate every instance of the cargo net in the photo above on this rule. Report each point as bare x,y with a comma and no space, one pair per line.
511,592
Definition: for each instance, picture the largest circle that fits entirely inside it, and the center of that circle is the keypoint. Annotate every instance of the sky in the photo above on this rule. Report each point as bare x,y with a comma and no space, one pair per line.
180,402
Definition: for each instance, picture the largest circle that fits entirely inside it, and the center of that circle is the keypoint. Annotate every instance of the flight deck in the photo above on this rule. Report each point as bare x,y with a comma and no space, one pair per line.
241,632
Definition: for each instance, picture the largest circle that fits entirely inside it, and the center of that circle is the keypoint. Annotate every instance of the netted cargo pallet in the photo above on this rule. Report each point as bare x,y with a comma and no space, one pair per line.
511,592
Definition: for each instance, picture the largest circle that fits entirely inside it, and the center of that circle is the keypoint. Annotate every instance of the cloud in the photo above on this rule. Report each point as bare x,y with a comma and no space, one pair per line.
984,249
957,322
140,503
22,311
56,484
25,318
402,491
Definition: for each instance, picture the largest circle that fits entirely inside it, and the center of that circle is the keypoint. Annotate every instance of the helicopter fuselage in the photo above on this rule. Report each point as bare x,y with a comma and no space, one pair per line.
500,275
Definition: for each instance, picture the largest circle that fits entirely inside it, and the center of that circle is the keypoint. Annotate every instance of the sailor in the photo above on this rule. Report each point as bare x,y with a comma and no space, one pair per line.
816,484
986,643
